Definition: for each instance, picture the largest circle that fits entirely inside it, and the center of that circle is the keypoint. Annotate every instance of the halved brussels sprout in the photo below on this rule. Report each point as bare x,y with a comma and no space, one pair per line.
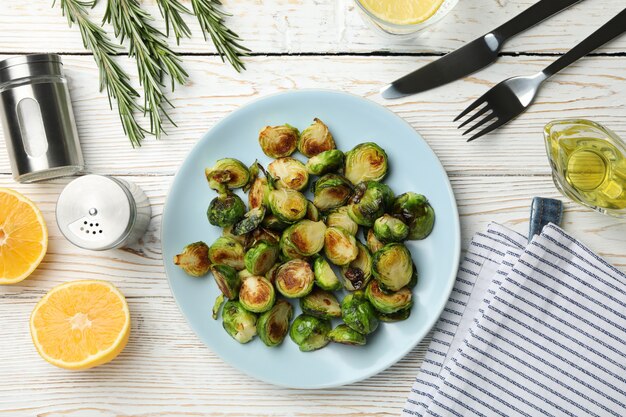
251,220
358,313
225,210
228,251
325,277
315,139
346,336
294,279
254,170
309,333
289,173
372,241
393,267
394,317
388,303
271,274
261,257
239,323
390,229
357,273
257,294
288,250
215,312
415,211
370,201
273,223
340,218
259,193
194,259
366,162
279,141
325,162
331,191
229,172
320,303
288,205
312,213
306,237
227,280
273,325
340,246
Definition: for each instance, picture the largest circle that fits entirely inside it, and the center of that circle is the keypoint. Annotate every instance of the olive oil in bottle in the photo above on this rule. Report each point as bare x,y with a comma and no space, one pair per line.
588,164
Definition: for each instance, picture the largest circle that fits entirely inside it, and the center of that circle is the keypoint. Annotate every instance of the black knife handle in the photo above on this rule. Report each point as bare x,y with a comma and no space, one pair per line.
535,14
611,30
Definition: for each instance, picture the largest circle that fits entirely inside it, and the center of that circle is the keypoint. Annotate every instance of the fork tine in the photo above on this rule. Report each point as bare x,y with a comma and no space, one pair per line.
488,129
472,106
474,116
485,119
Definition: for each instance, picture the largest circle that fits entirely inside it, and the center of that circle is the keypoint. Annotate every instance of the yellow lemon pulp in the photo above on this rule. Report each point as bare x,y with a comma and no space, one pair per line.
23,237
81,324
403,12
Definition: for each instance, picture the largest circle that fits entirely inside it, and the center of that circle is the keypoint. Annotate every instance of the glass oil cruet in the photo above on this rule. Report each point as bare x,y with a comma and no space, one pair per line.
588,164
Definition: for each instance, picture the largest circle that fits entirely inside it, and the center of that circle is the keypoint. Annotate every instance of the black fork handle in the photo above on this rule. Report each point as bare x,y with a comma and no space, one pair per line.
611,30
535,14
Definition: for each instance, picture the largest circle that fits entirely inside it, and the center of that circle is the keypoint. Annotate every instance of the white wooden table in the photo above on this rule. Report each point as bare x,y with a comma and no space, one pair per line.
165,370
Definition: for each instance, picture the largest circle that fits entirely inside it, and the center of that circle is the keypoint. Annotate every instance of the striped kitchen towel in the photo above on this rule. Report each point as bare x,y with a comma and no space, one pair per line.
539,331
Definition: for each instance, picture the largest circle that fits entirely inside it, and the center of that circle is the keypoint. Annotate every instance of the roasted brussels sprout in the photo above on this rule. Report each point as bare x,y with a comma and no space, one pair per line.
261,257
357,273
244,273
251,220
370,201
325,277
259,193
390,229
315,139
229,172
225,210
194,259
238,322
320,303
273,325
414,278
346,336
325,162
388,303
294,279
358,313
392,267
228,231
228,251
215,312
288,205
306,237
227,279
309,333
366,162
257,294
331,191
312,213
271,222
372,241
260,234
340,246
271,274
394,317
279,141
415,211
340,218
289,173
288,250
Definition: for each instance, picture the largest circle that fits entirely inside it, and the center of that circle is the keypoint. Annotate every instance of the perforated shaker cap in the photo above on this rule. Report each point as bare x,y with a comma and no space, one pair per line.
96,212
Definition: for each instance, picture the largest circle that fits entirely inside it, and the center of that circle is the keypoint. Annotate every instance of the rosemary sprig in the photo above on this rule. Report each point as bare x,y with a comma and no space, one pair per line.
152,53
172,11
211,20
112,77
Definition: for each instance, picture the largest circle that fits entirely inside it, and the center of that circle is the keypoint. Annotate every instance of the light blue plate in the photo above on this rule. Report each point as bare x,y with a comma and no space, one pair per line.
413,167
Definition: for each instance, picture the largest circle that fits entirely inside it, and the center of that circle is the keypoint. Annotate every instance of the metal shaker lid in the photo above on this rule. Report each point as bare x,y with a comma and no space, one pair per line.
30,66
96,212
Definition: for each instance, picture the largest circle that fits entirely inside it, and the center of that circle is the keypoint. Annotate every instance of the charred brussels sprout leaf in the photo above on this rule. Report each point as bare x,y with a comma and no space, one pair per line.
288,205
325,162
273,325
217,306
251,220
306,237
315,139
320,303
229,172
388,303
261,257
357,273
393,267
225,210
415,211
394,317
390,229
239,323
340,218
358,313
346,336
228,251
325,277
279,141
370,201
331,191
372,242
312,213
309,333
339,246
227,279
259,193
194,259
261,234
366,162
294,279
289,173
257,294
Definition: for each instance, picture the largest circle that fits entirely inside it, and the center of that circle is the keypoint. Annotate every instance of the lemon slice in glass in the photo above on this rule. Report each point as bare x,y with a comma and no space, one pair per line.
402,12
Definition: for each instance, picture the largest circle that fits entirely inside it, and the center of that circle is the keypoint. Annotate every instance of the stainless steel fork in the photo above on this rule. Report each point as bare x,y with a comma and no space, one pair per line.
512,97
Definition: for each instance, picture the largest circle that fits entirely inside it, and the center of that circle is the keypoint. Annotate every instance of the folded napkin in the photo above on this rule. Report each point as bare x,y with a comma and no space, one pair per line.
537,329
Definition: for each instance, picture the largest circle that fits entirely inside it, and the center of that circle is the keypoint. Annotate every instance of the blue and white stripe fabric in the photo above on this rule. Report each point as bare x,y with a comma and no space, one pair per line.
530,330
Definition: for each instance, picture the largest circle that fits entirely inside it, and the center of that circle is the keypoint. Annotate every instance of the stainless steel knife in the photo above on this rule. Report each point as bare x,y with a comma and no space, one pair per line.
474,56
